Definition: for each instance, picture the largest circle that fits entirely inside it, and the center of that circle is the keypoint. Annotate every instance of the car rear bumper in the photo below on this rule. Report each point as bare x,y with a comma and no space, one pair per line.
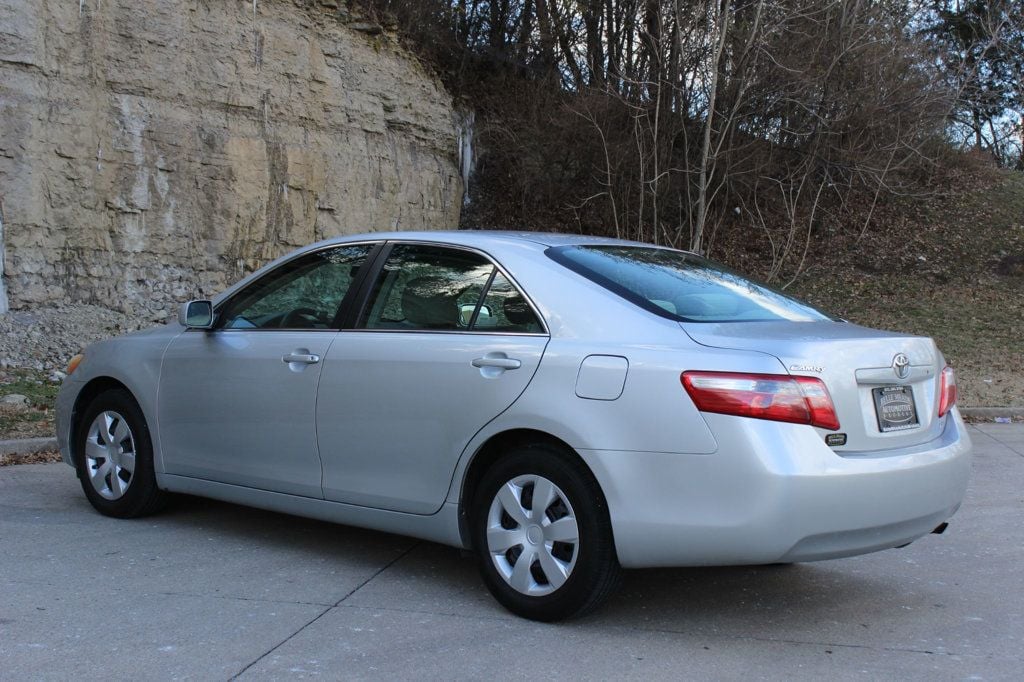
776,493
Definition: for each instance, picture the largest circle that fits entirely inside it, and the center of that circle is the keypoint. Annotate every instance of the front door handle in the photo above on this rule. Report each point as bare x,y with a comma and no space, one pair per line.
302,358
500,363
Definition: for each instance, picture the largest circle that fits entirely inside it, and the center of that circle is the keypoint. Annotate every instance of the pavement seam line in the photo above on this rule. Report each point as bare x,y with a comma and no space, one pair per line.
710,636
1008,447
1005,445
423,612
325,611
237,598
835,645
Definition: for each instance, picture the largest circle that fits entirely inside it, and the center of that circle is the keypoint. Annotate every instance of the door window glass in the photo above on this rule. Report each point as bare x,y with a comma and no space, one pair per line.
303,294
504,309
427,288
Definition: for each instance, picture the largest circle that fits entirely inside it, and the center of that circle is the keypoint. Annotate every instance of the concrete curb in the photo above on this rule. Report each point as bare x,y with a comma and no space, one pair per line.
990,412
27,446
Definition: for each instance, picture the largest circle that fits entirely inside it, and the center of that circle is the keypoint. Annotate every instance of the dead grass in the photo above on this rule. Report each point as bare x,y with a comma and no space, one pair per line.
34,420
944,274
34,458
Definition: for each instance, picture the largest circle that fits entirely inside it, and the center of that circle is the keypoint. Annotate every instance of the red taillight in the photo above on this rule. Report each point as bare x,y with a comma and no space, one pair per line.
947,391
778,397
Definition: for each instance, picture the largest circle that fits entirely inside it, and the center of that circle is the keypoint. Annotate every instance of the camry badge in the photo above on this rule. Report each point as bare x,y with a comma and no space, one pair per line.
806,368
901,365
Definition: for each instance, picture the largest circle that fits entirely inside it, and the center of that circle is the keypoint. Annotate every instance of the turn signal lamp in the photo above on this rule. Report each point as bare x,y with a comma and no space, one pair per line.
74,363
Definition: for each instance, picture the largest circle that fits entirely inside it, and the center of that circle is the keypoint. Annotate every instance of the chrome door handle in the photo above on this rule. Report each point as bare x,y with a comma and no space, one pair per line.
304,358
500,363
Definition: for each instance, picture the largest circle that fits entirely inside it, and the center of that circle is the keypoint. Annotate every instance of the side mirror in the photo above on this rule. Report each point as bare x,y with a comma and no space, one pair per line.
466,314
196,314
484,317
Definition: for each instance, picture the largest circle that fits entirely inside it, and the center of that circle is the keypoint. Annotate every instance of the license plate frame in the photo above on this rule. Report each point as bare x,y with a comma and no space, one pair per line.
895,408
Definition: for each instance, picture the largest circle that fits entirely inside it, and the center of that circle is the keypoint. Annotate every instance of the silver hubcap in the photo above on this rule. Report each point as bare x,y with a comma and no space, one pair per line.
110,455
532,535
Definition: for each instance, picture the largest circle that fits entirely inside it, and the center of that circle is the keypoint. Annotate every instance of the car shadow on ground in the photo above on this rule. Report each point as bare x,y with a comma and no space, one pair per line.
277,532
420,576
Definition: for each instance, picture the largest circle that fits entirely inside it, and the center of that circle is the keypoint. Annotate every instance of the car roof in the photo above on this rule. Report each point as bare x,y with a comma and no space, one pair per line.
482,238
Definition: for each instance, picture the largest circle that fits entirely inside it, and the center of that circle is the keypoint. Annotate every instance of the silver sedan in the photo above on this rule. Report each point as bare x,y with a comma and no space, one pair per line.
563,406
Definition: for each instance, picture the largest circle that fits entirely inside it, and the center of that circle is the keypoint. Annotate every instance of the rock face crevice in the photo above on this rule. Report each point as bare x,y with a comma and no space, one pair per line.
151,150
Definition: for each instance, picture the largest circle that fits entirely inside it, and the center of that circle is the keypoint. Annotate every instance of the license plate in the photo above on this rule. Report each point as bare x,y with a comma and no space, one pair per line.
895,408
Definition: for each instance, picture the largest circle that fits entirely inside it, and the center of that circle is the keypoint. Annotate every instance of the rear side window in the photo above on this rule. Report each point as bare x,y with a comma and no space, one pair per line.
504,309
434,288
681,286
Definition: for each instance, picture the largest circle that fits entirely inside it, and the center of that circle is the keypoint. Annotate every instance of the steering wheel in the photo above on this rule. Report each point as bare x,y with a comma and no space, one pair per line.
302,318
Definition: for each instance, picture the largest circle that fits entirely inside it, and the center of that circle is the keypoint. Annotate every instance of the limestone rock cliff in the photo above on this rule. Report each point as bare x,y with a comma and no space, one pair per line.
152,150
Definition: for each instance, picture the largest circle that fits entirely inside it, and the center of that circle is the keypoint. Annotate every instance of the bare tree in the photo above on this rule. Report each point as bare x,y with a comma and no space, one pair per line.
690,123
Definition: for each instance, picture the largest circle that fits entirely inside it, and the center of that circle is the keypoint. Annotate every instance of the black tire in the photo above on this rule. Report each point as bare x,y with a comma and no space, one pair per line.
141,497
596,572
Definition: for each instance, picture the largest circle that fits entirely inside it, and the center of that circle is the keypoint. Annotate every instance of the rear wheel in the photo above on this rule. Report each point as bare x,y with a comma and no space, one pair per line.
115,457
543,536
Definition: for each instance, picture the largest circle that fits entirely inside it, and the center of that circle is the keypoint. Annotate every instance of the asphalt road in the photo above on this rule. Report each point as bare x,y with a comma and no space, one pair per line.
213,591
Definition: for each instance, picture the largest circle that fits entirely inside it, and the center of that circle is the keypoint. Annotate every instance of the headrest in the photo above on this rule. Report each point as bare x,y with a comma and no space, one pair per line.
431,303
517,310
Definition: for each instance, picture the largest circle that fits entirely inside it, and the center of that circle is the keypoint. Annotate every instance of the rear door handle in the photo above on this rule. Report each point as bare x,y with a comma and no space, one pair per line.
304,358
500,363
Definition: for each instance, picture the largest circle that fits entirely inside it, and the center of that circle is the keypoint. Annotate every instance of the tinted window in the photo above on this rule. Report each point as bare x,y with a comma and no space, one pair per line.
680,285
504,309
423,287
427,287
302,294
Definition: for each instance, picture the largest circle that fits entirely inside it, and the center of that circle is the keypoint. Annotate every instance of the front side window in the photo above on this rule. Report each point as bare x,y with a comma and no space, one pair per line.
681,286
305,293
435,288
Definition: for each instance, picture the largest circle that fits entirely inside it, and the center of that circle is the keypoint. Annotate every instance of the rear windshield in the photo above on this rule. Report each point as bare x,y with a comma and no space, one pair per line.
681,286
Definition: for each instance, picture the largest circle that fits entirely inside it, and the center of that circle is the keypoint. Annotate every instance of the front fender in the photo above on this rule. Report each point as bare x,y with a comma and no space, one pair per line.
134,361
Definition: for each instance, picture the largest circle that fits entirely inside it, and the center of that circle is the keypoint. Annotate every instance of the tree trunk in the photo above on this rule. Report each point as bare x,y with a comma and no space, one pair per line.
705,155
592,14
547,40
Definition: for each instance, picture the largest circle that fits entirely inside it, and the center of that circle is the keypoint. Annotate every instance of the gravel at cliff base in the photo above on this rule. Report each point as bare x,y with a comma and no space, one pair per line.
44,339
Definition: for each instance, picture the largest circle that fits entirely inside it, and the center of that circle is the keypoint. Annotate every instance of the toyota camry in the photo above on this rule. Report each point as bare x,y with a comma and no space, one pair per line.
562,406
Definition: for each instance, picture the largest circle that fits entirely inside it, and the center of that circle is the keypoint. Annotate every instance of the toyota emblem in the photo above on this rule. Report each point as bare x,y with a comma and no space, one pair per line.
901,365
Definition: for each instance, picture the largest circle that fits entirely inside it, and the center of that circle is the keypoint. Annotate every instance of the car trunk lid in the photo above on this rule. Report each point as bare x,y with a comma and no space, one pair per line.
863,369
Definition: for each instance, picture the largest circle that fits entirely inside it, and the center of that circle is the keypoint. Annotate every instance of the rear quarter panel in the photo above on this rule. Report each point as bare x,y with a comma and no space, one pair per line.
653,413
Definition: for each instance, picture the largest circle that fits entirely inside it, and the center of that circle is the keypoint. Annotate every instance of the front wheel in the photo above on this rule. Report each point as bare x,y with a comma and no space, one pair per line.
114,456
543,536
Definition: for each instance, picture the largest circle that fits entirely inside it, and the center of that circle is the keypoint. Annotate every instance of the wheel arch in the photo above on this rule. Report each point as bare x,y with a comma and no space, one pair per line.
491,451
86,395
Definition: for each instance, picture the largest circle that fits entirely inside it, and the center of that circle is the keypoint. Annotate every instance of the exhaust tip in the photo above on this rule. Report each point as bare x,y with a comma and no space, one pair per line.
941,528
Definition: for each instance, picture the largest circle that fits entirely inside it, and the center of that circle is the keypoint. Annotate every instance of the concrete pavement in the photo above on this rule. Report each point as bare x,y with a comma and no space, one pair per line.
213,591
